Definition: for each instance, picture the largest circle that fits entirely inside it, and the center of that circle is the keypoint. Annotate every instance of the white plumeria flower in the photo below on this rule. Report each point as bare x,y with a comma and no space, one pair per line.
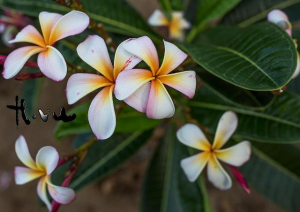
236,155
143,89
101,113
50,61
46,161
279,18
176,25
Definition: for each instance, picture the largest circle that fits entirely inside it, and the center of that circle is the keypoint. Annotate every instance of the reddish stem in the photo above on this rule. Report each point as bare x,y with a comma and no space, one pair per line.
28,76
240,178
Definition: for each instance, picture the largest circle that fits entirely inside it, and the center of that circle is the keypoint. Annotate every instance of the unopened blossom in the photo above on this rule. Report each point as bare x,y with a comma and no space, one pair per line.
211,155
50,61
45,163
101,113
144,89
176,25
279,18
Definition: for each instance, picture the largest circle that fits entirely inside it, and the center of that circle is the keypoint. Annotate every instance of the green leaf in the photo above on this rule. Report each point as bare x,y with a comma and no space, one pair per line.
129,120
261,57
209,10
235,95
171,5
273,170
252,11
117,15
278,123
166,187
104,157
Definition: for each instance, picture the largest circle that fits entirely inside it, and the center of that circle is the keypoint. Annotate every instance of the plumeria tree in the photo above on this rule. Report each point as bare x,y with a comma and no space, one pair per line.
218,77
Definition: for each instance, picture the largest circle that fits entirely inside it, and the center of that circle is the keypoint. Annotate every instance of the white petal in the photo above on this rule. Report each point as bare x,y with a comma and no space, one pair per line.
102,115
236,155
160,104
23,153
191,135
16,60
48,21
94,52
184,82
60,194
129,81
226,127
124,60
80,85
47,159
217,175
172,59
158,19
31,35
72,23
42,192
24,175
8,35
296,73
193,166
52,64
144,48
138,100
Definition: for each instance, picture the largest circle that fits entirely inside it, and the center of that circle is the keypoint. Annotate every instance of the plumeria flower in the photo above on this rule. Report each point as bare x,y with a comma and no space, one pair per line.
50,61
176,25
237,155
45,163
279,18
143,89
101,113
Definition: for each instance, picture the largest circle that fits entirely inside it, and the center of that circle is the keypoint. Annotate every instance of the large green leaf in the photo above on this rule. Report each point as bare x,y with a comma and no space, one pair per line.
278,123
117,15
273,170
166,188
209,10
104,157
252,11
129,120
261,57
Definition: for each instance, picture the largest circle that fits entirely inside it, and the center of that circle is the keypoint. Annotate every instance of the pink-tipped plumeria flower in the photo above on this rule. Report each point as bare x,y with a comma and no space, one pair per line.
101,113
45,163
279,18
143,89
176,25
237,155
50,61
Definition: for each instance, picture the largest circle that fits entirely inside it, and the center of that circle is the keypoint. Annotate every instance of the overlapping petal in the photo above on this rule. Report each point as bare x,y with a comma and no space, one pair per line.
296,73
236,155
193,166
52,64
139,99
62,195
42,192
144,48
16,60
226,127
279,18
172,59
23,153
24,175
102,115
129,81
191,135
47,22
80,85
158,18
217,175
124,60
160,104
31,35
184,82
94,52
47,159
72,23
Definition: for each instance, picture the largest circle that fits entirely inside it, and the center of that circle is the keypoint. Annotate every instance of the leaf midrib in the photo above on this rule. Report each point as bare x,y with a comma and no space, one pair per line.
106,158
